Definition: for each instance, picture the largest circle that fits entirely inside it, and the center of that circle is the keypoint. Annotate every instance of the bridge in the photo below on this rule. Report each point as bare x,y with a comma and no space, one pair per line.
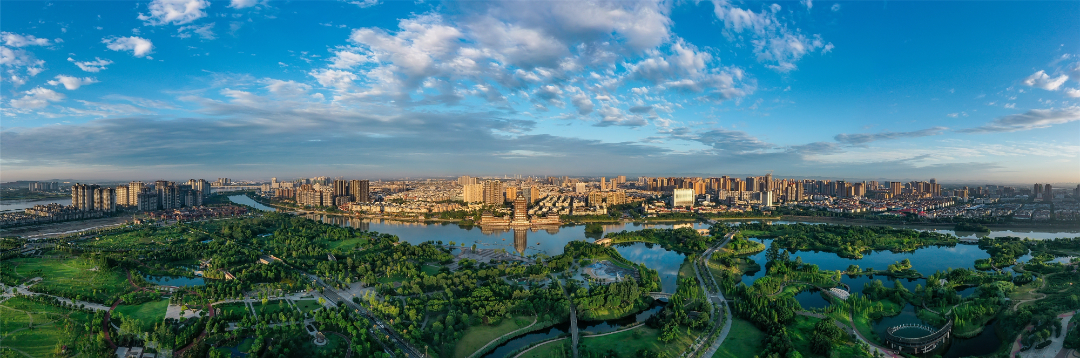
918,344
659,295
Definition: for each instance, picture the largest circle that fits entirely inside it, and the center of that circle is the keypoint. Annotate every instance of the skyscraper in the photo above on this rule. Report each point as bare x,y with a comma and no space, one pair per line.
360,191
341,187
493,192
472,193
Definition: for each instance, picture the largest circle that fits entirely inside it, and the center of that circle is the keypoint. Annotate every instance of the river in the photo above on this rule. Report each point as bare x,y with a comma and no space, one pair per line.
20,205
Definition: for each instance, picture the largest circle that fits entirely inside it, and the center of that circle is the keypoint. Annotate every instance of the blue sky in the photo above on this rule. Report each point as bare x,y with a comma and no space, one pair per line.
963,91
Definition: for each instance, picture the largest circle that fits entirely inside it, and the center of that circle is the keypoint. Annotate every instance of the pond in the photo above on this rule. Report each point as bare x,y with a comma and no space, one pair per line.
176,281
664,261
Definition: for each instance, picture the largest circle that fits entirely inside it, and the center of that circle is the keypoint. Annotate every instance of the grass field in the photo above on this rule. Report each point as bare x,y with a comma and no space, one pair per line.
345,244
149,313
234,310
72,278
743,340
271,307
307,305
627,344
50,326
477,336
430,270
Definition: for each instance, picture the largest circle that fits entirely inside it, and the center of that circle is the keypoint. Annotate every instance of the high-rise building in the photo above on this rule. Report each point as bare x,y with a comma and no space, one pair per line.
1038,190
1048,192
534,194
766,198
682,197
466,180
360,190
82,196
579,188
603,183
751,184
472,193
511,194
493,192
895,188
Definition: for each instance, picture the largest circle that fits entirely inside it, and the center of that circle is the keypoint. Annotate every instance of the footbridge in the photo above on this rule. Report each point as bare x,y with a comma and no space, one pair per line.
934,338
659,295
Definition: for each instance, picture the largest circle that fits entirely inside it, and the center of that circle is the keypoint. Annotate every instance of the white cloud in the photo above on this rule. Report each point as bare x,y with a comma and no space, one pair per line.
287,88
206,32
340,80
1042,80
835,7
240,4
72,83
774,43
808,3
36,98
17,40
16,59
1072,92
953,115
138,46
91,66
176,12
345,60
365,3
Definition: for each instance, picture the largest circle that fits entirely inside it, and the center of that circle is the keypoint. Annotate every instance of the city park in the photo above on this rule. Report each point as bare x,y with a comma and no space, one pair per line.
277,285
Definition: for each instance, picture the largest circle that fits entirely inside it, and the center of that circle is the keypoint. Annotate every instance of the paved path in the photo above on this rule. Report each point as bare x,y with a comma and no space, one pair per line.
873,347
718,298
501,337
1055,346
538,345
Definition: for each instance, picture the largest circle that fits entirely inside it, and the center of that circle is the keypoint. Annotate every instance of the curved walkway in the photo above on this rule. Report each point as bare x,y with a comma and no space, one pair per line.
503,336
534,347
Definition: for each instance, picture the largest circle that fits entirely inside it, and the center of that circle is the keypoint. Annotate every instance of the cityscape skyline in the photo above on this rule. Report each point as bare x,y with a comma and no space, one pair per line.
117,90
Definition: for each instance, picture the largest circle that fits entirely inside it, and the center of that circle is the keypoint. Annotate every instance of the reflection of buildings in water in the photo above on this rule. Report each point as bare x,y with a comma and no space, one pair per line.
493,230
521,240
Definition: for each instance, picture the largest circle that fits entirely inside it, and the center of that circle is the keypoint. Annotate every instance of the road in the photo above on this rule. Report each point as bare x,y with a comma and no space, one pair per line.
717,297
383,329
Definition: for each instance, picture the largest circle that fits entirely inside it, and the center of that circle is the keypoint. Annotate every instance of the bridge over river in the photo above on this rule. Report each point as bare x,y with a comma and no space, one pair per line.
921,344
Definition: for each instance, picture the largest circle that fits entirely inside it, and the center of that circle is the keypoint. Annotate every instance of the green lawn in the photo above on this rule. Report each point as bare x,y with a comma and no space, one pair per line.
477,336
627,343
149,313
234,310
307,305
271,307
430,270
50,326
345,244
743,340
72,278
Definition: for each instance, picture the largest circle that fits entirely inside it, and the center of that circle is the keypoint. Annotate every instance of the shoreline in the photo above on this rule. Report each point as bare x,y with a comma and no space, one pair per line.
1062,228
